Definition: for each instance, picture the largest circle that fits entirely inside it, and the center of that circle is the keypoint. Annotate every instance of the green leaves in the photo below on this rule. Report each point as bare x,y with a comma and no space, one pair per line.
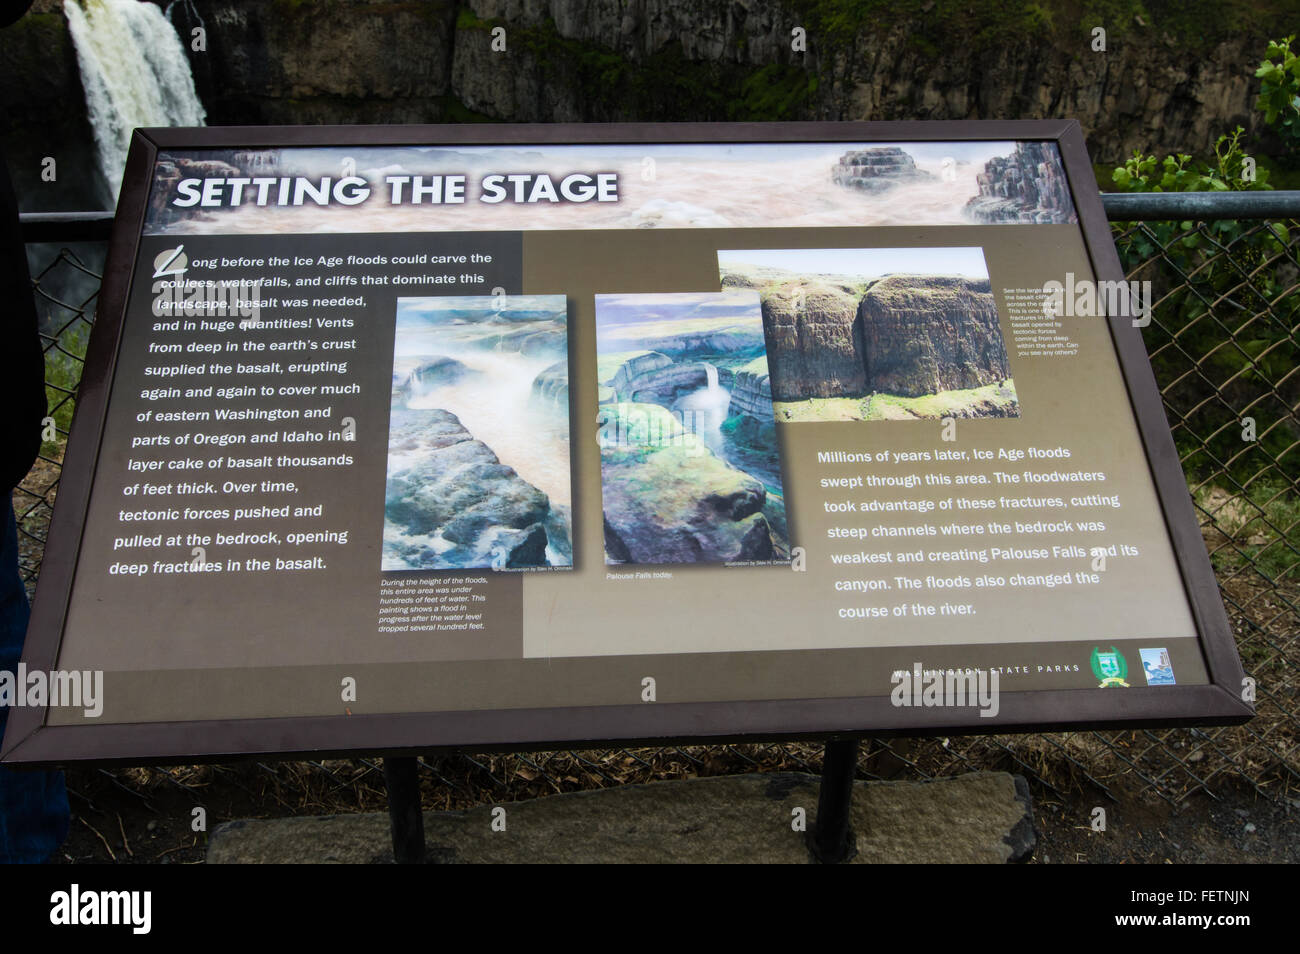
1279,94
1225,327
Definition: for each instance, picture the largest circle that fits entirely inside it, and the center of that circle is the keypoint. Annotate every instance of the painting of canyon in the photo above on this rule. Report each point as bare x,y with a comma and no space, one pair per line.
478,438
690,465
878,334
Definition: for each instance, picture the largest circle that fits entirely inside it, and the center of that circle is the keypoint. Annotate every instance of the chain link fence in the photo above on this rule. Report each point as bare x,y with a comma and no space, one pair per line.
1225,344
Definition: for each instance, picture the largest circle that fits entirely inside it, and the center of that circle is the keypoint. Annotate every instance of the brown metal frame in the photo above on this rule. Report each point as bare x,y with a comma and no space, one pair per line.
28,740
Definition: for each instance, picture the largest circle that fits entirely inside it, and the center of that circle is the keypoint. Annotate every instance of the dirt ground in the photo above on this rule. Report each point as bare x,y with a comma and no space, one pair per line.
1236,828
137,817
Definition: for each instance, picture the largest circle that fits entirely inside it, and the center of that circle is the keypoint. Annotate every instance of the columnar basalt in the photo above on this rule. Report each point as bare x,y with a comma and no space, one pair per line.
876,170
814,340
1026,187
751,394
907,335
928,333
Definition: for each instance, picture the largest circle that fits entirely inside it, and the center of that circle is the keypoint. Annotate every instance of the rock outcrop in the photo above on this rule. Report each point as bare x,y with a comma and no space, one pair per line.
431,373
876,170
170,169
551,386
530,339
1026,187
928,333
705,344
668,499
375,61
751,395
656,378
814,341
451,503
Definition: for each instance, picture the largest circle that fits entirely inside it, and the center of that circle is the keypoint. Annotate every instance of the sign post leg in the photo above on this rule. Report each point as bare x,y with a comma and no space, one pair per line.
403,784
831,838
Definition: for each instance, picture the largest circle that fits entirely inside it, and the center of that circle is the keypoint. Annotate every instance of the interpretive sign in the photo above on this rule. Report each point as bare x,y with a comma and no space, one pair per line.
405,437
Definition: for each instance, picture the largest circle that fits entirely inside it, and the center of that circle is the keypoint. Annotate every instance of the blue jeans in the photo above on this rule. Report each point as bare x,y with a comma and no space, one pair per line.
33,804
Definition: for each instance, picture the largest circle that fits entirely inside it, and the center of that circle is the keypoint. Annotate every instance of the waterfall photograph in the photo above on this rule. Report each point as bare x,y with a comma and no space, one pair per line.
878,334
690,460
478,438
135,72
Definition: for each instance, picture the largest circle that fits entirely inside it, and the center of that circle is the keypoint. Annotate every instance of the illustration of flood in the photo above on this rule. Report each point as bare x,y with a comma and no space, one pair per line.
690,465
878,334
695,185
478,442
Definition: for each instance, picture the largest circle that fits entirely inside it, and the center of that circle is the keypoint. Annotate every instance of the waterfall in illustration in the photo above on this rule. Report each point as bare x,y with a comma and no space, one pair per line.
135,73
704,410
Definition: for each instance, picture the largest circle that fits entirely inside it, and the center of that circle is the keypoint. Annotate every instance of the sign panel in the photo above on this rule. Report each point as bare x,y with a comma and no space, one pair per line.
409,437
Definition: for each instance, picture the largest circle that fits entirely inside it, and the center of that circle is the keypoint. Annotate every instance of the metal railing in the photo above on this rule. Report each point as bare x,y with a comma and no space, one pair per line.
1225,345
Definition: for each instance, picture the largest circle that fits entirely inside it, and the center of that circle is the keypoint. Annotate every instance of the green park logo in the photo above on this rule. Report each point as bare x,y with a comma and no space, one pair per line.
1110,667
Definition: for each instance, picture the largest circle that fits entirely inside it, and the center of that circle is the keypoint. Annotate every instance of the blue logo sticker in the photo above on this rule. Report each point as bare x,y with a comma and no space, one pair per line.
1157,667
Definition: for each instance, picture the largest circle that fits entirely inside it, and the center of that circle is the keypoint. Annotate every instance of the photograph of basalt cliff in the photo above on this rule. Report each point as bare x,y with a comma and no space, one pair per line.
878,334
478,438
689,454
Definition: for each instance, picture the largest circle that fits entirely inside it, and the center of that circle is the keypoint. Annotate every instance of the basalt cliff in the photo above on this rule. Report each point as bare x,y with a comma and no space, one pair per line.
908,335
1167,80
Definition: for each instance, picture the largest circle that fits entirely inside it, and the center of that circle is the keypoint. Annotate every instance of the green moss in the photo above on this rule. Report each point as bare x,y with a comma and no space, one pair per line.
36,23
749,433
821,409
775,92
893,407
454,111
943,404
1119,18
467,20
755,366
28,47
946,26
924,45
665,85
608,363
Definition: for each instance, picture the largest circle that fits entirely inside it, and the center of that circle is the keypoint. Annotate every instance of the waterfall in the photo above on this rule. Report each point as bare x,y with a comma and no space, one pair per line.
703,410
135,73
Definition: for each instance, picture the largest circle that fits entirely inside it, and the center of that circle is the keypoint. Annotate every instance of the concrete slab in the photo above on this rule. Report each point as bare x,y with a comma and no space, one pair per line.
983,817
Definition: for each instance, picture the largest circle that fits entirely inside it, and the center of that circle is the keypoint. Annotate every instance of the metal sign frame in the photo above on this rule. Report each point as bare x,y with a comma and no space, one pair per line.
28,740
